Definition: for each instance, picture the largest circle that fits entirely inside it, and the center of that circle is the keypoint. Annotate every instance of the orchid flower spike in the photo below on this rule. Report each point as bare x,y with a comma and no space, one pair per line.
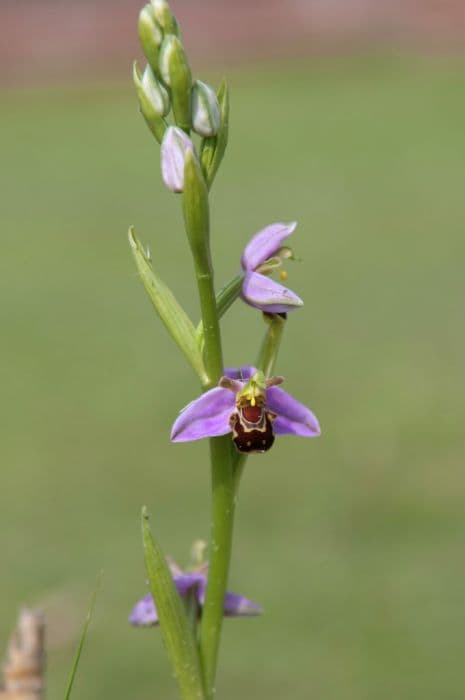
263,253
252,408
144,613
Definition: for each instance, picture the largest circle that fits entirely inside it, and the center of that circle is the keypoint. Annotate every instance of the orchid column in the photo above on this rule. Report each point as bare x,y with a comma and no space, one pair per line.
241,410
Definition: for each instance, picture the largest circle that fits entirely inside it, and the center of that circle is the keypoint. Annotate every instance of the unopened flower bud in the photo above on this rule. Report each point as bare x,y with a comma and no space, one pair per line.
213,147
164,16
172,59
150,35
174,148
154,91
176,74
205,109
153,100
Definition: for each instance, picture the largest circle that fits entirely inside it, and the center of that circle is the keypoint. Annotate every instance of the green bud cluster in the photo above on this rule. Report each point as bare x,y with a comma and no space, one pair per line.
176,108
166,87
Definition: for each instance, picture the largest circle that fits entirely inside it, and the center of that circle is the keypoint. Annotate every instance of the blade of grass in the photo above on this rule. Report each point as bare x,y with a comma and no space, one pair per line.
82,640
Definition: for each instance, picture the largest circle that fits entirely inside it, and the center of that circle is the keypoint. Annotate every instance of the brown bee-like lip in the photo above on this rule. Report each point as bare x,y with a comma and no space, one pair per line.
252,436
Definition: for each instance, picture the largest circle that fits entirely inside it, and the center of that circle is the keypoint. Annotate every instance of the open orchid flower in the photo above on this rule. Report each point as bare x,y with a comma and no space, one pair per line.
253,408
144,613
262,254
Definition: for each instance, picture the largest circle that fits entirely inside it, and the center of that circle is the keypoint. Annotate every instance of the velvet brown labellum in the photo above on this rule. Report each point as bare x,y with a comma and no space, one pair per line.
252,427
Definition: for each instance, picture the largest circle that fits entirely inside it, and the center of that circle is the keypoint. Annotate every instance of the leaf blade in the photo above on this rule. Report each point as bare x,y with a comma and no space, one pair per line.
174,624
82,639
173,316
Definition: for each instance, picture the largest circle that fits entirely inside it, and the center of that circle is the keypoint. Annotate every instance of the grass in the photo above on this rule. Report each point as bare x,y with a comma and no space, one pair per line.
352,543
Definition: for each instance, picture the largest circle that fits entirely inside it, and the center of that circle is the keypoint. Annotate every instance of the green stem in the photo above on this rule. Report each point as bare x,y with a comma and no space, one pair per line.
224,300
213,355
229,293
238,464
271,342
222,494
197,222
192,609
223,498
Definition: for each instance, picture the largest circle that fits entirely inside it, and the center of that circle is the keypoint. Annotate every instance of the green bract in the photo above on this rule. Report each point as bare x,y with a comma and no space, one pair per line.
213,147
196,210
176,74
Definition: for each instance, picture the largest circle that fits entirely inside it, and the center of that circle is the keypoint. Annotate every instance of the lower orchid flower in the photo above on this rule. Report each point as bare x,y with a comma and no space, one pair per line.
264,253
252,408
144,613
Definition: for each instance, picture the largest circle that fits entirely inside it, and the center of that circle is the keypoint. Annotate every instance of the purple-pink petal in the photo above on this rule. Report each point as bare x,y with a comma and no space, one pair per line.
243,373
173,151
207,416
267,295
292,416
236,605
184,582
144,613
265,244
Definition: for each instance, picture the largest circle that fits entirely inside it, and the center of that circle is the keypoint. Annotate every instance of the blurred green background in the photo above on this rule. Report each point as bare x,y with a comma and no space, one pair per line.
353,543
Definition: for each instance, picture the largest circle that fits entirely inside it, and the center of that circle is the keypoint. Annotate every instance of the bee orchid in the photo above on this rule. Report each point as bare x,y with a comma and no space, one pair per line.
264,253
254,409
144,613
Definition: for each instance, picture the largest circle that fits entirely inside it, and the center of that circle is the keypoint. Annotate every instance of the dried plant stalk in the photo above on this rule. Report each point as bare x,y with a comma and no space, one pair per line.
24,667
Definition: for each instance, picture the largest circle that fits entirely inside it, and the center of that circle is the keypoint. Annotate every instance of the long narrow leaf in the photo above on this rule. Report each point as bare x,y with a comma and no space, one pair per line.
175,627
176,321
82,639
